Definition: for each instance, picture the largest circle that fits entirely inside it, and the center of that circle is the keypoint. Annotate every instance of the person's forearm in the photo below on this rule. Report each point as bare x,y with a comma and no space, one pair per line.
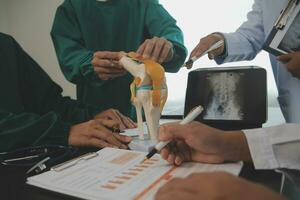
29,129
235,146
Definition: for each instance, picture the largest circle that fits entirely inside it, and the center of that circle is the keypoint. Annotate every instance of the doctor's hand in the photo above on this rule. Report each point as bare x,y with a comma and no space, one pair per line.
292,62
97,133
204,44
200,143
214,186
117,116
106,65
158,49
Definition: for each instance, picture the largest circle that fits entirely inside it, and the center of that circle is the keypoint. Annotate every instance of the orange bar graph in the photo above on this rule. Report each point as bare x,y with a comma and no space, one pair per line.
116,182
110,187
130,173
123,177
125,158
148,163
136,169
142,166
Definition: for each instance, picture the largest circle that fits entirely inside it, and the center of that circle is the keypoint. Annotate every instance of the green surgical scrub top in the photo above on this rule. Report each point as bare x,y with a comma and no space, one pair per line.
82,27
32,109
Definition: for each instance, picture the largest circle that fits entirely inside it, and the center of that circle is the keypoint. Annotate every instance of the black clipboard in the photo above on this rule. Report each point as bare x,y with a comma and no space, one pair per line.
285,35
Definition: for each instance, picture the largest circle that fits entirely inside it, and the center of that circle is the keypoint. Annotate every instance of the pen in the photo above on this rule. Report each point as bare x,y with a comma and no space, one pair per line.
43,153
22,158
189,118
213,47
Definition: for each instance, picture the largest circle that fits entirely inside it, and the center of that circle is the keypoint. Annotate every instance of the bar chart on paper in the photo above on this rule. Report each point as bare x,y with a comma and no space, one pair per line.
118,174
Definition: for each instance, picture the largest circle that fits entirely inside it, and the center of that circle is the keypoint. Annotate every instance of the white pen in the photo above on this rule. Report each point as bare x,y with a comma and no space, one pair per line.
213,47
189,118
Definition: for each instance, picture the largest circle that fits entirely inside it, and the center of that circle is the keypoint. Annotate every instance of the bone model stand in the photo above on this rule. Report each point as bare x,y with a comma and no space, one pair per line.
148,91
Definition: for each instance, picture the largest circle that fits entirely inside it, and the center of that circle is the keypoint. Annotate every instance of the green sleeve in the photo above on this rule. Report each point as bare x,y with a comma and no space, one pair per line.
28,129
160,23
42,95
46,116
74,58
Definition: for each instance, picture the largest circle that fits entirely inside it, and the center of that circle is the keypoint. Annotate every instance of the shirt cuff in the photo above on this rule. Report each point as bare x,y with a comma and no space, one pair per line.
221,58
261,149
180,54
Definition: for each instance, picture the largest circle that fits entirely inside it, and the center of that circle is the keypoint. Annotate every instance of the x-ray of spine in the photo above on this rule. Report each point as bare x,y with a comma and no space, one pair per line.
224,100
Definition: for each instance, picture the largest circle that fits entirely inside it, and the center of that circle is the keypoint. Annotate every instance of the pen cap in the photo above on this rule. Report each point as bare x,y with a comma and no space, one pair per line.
192,115
189,118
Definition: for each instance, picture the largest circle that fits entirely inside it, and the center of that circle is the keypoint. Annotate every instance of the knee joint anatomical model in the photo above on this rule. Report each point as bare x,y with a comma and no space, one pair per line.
148,91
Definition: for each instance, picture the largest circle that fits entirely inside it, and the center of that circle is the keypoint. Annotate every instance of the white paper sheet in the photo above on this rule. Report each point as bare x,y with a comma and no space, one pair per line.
135,132
143,145
118,174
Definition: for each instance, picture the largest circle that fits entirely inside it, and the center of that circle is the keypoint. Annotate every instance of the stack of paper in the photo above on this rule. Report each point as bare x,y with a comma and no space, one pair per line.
118,174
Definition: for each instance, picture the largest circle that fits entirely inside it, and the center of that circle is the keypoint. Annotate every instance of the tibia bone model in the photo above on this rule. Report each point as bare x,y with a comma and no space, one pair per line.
148,91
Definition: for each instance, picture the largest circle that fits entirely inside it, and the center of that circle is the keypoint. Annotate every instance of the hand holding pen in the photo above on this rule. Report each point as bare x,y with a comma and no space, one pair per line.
213,45
189,118
195,142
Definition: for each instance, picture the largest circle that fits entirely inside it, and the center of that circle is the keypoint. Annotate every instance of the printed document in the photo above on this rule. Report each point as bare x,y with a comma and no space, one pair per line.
119,174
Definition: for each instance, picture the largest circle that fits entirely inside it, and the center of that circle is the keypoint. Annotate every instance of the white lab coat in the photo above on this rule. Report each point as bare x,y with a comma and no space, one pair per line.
276,147
247,42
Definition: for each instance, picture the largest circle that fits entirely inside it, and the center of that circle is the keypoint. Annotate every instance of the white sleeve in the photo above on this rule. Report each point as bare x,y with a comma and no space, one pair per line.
246,42
275,147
